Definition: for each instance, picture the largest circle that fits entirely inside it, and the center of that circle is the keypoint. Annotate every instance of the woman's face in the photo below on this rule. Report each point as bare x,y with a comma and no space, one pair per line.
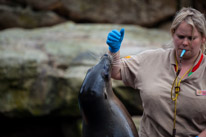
186,38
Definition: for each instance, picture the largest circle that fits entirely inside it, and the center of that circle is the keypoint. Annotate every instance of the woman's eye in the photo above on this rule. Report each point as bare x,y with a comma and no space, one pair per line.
190,38
180,37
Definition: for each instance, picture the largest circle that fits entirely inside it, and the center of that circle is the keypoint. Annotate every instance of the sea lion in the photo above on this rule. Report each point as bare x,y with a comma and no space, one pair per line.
102,112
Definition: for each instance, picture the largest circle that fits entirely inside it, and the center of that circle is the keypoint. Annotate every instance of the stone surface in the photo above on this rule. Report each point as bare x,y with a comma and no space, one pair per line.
26,17
38,13
41,70
33,13
145,13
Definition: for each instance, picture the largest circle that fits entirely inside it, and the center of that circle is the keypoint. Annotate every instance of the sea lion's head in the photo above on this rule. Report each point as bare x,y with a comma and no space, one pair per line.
97,78
96,91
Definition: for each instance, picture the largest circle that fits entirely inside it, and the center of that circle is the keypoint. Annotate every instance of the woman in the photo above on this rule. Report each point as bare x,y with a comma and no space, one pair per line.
172,82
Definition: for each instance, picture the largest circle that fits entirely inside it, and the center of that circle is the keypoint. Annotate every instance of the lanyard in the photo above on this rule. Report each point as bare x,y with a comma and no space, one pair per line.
177,90
176,83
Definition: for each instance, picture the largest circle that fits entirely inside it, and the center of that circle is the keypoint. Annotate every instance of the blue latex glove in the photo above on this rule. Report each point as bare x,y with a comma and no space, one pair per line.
114,40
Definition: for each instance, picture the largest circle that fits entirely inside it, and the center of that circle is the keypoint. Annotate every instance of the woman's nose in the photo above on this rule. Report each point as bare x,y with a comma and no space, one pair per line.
186,42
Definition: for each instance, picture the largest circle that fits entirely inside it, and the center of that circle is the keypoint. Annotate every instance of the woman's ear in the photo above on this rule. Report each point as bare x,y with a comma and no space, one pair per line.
172,31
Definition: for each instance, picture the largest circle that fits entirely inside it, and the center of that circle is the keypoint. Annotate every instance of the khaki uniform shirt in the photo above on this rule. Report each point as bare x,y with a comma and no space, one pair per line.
153,72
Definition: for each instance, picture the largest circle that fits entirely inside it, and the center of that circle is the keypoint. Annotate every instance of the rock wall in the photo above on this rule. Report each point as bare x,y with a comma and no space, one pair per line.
41,71
39,13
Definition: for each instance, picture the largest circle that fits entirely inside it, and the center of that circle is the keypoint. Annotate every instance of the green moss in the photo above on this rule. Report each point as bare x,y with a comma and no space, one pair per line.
27,20
17,68
14,100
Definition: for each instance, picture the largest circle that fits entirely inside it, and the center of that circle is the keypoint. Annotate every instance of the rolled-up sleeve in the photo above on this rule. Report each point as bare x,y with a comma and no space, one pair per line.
129,70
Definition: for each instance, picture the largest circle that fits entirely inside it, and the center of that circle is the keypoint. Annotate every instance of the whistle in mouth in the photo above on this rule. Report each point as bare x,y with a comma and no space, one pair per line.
183,52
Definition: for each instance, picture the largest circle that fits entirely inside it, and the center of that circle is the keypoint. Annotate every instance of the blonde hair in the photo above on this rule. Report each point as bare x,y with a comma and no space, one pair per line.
193,17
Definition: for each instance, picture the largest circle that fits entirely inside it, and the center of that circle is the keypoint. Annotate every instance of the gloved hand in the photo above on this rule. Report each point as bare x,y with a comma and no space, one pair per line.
114,40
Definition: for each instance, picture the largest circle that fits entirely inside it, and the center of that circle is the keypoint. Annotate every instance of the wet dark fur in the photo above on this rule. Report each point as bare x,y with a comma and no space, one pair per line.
102,112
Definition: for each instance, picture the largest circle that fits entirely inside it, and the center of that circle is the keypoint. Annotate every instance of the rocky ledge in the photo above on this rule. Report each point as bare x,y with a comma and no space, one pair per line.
41,70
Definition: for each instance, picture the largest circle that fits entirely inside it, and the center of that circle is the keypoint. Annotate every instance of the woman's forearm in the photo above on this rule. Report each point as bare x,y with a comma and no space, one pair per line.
116,66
